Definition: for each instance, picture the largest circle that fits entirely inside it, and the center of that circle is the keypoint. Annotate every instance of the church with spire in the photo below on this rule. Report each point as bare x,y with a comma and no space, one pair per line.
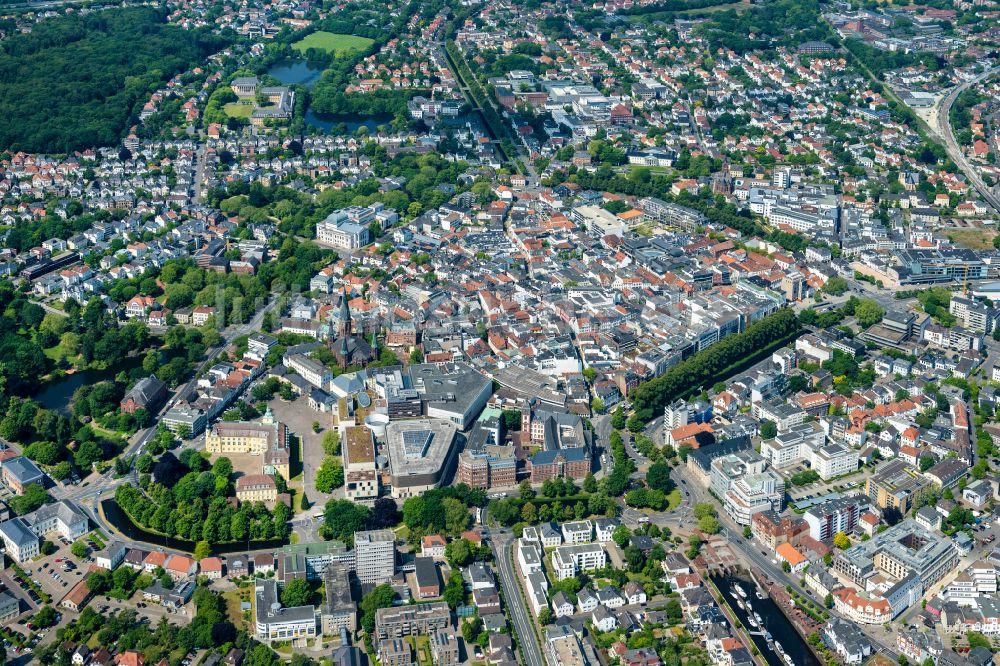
348,348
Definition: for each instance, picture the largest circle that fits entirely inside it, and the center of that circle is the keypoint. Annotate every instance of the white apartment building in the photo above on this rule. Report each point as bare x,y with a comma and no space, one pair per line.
578,532
529,557
605,528
568,561
834,460
785,416
792,447
544,535
537,586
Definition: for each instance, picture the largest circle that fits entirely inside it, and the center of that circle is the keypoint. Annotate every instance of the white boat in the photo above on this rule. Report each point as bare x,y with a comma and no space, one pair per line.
751,621
739,602
738,589
756,616
768,637
788,659
760,595
778,649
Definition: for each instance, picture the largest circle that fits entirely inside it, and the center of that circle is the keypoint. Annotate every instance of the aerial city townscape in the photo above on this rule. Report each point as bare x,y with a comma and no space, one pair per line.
521,332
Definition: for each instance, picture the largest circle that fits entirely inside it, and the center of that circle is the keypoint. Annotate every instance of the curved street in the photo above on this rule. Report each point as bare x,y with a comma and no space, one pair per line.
944,129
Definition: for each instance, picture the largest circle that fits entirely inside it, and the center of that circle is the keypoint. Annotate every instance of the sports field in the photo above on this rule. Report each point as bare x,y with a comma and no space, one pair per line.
332,42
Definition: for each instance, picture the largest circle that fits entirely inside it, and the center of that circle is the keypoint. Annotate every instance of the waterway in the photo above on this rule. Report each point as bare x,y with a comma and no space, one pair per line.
121,522
774,621
307,72
297,72
56,394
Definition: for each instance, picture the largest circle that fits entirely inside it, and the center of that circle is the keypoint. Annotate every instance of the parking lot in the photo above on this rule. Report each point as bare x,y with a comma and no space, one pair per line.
299,418
145,610
55,574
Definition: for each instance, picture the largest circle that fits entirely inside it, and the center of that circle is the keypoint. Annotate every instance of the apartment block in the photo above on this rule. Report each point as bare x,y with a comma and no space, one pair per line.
568,561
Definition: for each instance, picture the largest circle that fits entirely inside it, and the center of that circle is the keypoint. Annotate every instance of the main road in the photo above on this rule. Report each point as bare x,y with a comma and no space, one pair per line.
951,145
501,541
733,533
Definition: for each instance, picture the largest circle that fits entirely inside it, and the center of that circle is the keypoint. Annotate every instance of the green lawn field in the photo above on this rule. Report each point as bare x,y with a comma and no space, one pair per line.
238,110
332,42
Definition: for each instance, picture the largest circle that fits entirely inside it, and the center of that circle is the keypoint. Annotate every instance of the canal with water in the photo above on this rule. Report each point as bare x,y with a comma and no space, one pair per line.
58,393
307,72
773,620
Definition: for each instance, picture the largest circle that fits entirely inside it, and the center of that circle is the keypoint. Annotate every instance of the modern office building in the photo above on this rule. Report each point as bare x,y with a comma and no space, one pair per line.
422,454
339,609
375,556
905,548
310,560
754,493
273,622
894,485
729,468
489,467
454,392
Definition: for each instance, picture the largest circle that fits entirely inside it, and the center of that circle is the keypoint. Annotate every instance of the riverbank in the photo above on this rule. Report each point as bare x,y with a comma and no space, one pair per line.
773,620
738,628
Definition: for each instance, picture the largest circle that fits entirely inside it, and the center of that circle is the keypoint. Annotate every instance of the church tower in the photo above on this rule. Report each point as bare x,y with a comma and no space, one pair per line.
344,318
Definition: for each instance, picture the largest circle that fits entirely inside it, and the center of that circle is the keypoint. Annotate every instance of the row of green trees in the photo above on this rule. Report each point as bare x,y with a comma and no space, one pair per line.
706,367
491,116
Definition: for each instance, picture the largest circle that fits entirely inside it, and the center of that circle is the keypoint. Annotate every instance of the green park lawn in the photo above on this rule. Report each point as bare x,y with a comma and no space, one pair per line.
238,109
332,42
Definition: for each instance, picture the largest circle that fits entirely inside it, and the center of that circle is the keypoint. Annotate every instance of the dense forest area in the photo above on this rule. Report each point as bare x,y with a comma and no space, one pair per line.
880,61
782,23
76,81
